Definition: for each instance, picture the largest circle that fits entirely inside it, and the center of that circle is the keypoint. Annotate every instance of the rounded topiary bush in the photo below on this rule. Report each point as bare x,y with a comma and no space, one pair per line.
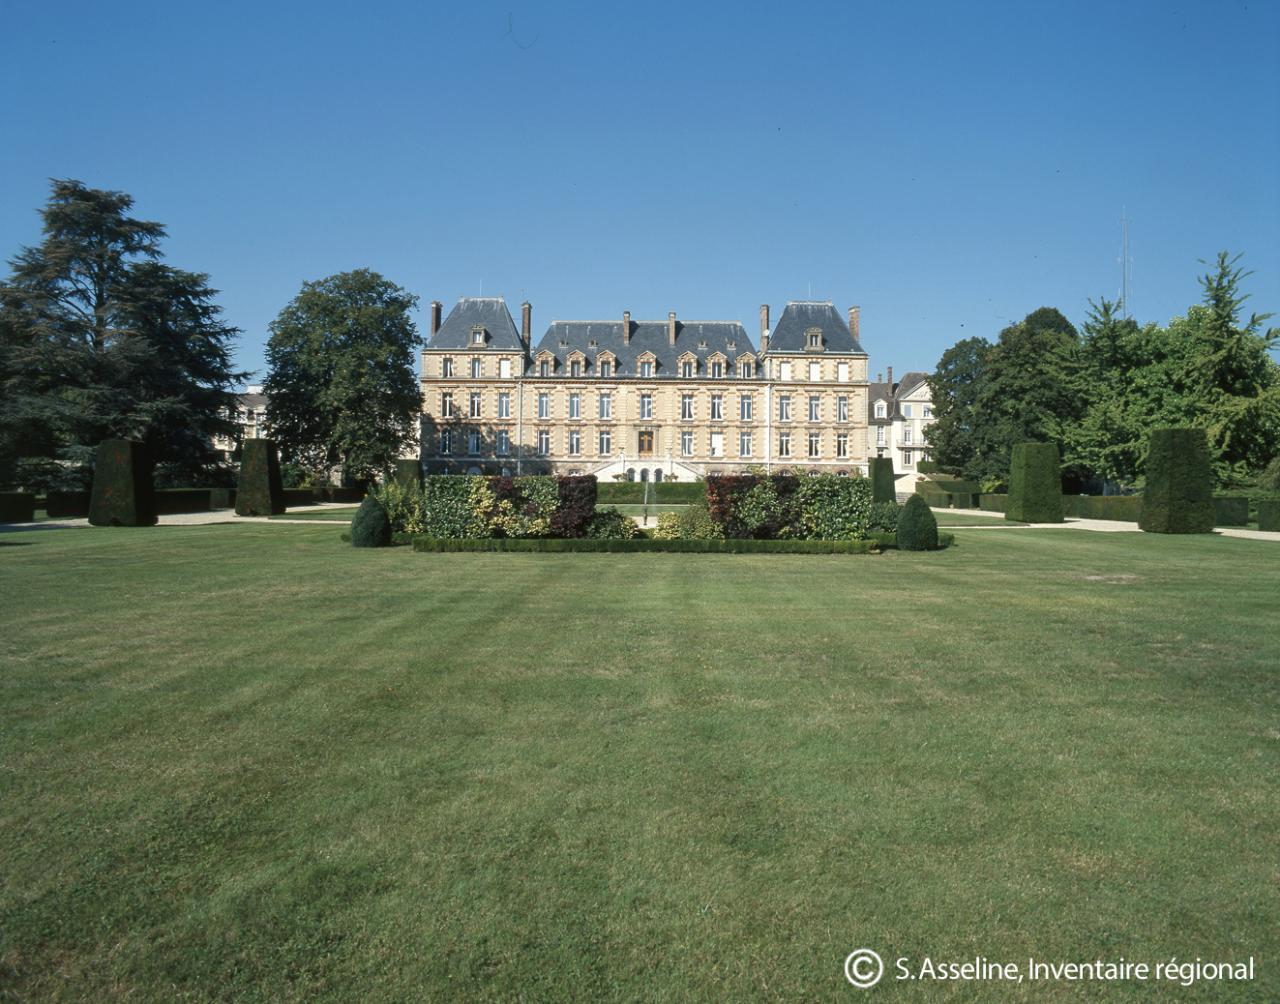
1035,484
371,526
1179,493
917,528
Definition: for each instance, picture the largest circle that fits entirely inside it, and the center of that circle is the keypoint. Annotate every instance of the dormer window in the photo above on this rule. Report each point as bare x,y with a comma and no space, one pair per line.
686,369
880,410
646,368
544,368
813,338
605,368
477,334
717,369
575,368
744,369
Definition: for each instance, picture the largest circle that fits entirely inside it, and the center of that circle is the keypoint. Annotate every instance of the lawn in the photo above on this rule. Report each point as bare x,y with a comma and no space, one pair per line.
249,762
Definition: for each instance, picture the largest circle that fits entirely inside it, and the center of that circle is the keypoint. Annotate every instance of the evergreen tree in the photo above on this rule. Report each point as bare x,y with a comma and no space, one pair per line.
954,385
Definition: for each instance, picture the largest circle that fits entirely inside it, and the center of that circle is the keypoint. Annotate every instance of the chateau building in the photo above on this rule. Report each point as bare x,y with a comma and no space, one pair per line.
897,415
644,400
249,415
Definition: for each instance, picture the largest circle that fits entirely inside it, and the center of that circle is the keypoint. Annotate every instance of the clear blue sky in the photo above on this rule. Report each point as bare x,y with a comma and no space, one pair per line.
949,166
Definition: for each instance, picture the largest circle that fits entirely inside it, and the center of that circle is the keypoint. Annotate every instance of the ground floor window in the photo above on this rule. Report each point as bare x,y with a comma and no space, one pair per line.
644,443
686,443
842,445
784,444
473,442
446,440
575,442
544,441
504,442
815,444
744,444
606,442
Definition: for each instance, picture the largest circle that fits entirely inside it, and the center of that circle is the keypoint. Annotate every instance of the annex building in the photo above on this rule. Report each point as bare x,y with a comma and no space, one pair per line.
640,399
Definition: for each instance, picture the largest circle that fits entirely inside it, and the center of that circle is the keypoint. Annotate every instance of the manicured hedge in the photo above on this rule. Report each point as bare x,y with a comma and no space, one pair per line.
768,507
336,493
1126,508
883,486
667,492
371,527
178,500
889,541
123,491
718,545
17,507
1269,515
1179,492
993,503
917,526
1035,484
67,505
933,467
295,497
222,498
260,491
1231,510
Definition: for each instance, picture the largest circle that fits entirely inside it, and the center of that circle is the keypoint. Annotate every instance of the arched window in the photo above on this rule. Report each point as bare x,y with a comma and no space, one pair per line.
644,474
657,475
879,409
631,473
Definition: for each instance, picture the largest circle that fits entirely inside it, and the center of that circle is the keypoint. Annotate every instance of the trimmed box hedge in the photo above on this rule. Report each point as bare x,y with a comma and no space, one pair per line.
67,505
123,491
295,497
993,503
1126,508
1179,493
883,485
1231,510
1269,514
259,492
339,493
719,545
178,500
1035,484
17,507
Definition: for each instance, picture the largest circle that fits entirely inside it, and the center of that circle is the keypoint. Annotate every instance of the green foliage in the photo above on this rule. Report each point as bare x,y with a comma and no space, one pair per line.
883,517
1035,484
259,490
1179,492
661,492
371,526
954,386
1269,480
341,387
993,502
17,507
693,523
917,527
832,508
721,545
612,525
883,485
405,505
99,340
409,473
1269,515
123,492
1127,508
1231,510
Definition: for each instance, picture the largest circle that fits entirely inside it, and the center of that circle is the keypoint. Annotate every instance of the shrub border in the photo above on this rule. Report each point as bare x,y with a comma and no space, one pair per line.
577,545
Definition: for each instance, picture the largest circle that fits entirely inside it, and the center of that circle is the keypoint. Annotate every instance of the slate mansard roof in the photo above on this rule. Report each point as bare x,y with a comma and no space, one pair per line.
799,316
701,338
490,312
892,394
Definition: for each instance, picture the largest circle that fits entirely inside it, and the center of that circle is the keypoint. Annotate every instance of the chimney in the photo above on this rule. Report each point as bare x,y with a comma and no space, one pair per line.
855,321
626,327
890,371
435,316
671,328
764,327
526,323
880,377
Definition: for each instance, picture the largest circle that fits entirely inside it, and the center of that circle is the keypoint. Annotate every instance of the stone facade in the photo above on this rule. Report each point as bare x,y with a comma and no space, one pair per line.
643,399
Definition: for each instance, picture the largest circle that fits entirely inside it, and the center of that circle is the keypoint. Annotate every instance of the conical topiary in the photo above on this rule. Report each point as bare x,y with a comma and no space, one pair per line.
883,488
371,526
123,492
917,528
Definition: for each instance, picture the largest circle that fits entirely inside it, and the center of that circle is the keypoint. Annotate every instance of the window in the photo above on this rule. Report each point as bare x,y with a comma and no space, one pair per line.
644,441
504,369
879,409
575,368
842,372
717,369
544,405
544,441
606,442
504,405
446,405
475,404
446,367
446,440
906,434
605,405
744,407
646,406
926,411
815,407
686,443
784,371
575,442
907,459
842,445
879,435
473,442
784,444
815,338
605,368
744,369
504,442
815,372
686,369
575,405
784,408
815,444
477,335
544,368
842,409
686,407
906,411
477,369
717,444
646,368
744,443
717,408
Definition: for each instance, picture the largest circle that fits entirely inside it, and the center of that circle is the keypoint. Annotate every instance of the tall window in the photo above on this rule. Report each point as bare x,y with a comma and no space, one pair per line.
646,406
504,369
686,443
815,340
842,409
879,409
744,369
446,367
605,405
686,407
575,442
446,405
446,440
842,372
646,368
784,408
815,407
744,407
815,444
686,369
908,458
784,371
744,443
717,444
926,411
784,444
575,368
879,435
544,405
475,404
575,405
842,445
717,407
605,368
906,434
906,411
544,368
815,371
476,368
717,369
606,442
504,405
504,442
644,441
544,441
473,442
